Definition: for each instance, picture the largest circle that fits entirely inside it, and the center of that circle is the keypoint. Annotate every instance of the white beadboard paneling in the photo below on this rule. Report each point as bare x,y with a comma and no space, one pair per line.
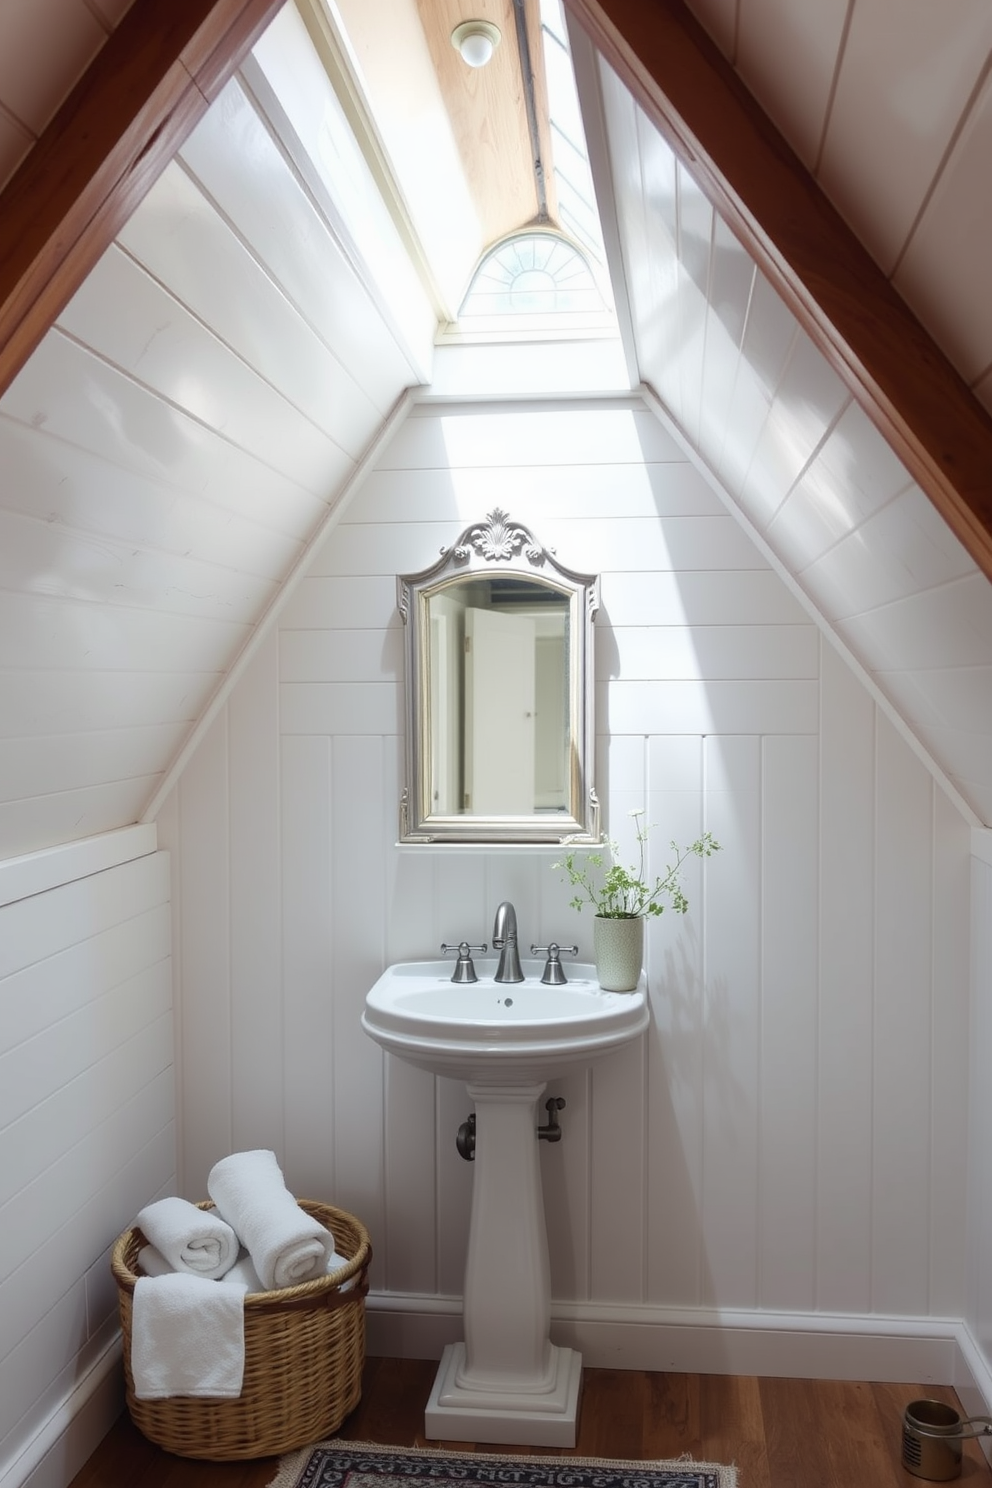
256,1023
789,1020
675,811
72,394
234,159
846,949
946,627
314,127
358,817
126,317
796,97
42,994
902,551
57,482
809,397
695,242
949,1138
51,633
697,599
465,436
752,707
306,989
845,485
37,1070
86,1126
730,1195
60,702
27,766
212,272
35,873
572,494
41,822
204,962
902,1094
341,707
709,542
731,289
341,655
341,603
978,1312
103,572
686,652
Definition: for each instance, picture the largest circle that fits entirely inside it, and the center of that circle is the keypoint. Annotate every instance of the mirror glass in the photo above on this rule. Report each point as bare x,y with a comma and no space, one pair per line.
499,716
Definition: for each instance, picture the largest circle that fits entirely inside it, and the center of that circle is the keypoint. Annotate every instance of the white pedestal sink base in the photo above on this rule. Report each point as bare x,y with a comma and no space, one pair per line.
508,1416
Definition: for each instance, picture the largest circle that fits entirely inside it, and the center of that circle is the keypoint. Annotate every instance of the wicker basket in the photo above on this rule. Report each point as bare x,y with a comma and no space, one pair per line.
304,1353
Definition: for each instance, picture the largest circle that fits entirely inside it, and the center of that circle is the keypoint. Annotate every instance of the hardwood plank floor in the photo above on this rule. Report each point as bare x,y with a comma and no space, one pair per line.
781,1433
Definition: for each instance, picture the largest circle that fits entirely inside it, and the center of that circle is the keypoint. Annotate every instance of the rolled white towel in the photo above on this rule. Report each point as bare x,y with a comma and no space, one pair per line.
287,1246
151,1263
190,1239
187,1337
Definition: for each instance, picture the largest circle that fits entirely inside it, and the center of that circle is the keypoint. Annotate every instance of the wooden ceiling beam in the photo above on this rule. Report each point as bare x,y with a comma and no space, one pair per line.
143,93
893,367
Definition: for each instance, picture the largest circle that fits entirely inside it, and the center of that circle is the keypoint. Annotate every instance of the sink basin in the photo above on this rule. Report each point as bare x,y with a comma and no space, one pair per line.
488,1030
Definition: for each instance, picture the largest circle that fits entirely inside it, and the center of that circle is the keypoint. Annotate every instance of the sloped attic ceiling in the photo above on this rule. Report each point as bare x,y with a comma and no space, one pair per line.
142,450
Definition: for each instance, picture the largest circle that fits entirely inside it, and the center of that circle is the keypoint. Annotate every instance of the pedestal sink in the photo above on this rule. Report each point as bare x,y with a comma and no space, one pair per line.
506,1382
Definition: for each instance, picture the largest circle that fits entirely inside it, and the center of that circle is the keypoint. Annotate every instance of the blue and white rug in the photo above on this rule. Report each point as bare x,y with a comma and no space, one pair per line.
342,1464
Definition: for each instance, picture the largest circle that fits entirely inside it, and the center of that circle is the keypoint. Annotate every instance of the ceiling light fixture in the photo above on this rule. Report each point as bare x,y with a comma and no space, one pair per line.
476,41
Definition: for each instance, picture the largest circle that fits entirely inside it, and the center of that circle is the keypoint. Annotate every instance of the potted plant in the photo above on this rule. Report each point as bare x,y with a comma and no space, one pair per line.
622,898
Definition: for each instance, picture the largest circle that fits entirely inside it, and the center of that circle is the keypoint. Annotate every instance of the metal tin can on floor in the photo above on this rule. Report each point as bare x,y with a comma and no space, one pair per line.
931,1439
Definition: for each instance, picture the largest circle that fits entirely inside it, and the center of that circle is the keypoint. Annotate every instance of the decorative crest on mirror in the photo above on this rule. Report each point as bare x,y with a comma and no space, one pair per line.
499,671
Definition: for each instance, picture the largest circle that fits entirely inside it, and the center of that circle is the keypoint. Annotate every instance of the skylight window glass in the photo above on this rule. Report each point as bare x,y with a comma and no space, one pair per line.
532,274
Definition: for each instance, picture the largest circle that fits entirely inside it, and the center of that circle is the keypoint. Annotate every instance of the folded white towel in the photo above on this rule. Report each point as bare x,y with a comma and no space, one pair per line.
187,1337
287,1245
190,1239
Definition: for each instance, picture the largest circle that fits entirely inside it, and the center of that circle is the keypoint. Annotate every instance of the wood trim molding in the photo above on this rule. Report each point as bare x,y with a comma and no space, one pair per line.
120,126
891,364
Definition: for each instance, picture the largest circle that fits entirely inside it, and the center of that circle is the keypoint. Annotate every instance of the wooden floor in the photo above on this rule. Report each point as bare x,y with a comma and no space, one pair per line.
780,1433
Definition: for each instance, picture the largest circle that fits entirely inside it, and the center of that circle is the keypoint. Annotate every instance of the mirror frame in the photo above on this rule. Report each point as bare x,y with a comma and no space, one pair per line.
506,545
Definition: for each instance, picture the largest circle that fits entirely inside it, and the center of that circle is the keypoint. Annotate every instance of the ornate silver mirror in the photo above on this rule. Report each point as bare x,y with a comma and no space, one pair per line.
499,668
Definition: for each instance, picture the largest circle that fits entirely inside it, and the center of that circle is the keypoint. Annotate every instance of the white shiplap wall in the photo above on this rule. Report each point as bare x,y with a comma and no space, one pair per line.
789,1138
87,1096
174,444
778,429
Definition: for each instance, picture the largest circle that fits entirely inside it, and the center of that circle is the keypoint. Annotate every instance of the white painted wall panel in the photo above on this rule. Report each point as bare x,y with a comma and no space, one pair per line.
169,450
86,1117
741,1158
769,416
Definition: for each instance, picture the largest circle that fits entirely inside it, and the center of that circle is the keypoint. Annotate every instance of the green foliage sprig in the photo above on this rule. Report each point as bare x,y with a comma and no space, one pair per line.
618,893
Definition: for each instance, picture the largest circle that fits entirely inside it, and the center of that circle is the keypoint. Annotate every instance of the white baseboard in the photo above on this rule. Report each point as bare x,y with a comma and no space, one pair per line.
708,1341
71,1432
694,1341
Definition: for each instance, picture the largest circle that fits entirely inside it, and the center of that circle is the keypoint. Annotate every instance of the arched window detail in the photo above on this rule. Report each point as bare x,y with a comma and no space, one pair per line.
537,274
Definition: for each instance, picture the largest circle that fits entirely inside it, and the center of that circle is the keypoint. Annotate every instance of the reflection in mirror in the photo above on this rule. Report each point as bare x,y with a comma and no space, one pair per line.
499,716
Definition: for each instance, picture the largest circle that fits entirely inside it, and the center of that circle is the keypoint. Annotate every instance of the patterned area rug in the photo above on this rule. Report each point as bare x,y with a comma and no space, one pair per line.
341,1464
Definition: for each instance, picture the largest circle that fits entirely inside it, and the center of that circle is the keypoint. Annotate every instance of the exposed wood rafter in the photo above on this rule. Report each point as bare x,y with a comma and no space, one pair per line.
118,129
894,369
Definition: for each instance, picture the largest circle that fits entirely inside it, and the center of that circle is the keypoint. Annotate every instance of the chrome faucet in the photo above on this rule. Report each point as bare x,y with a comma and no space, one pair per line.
505,941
